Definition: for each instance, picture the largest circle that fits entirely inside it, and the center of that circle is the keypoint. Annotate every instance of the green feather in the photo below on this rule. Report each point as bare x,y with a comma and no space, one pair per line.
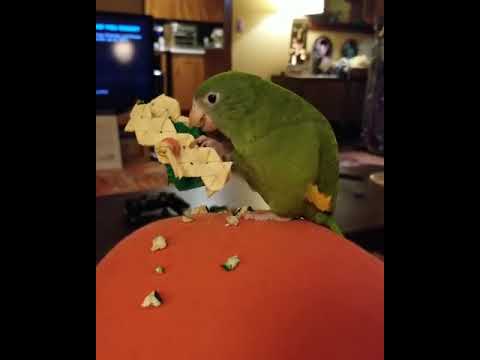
282,143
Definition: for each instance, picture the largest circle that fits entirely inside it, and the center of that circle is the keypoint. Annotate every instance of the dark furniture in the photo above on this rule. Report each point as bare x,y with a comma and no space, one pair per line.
360,213
340,100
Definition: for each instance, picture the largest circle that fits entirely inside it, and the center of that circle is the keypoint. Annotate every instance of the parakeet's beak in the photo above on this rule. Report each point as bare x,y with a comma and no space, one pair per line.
198,118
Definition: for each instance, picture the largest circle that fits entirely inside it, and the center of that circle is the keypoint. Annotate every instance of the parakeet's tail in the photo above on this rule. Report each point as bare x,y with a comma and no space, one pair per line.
332,224
326,220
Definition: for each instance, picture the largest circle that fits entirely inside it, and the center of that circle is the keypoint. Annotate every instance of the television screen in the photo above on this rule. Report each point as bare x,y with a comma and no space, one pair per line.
124,61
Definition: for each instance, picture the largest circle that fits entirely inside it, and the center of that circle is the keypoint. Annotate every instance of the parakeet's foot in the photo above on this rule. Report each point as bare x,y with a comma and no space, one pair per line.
264,216
334,227
329,221
323,219
223,148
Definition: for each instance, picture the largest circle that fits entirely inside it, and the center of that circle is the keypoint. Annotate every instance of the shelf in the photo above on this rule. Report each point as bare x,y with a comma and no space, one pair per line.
315,24
208,23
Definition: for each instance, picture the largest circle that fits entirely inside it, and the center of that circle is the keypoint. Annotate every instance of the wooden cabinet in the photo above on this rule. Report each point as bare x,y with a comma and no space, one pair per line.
212,10
188,72
366,10
123,6
372,10
186,10
216,61
185,72
341,101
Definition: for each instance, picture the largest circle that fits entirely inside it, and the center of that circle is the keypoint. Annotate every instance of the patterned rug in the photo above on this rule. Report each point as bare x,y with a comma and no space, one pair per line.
133,178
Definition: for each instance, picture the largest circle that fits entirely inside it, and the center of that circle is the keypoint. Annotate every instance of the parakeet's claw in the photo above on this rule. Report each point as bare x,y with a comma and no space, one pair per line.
199,141
335,228
222,149
326,220
264,216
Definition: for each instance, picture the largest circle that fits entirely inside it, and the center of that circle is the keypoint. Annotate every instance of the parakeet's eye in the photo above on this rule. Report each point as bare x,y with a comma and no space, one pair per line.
212,98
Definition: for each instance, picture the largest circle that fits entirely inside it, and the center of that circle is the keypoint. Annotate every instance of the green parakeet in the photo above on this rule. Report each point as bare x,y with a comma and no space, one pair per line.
283,147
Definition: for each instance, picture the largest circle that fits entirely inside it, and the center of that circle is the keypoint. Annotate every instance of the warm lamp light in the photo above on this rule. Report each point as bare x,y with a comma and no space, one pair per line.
299,7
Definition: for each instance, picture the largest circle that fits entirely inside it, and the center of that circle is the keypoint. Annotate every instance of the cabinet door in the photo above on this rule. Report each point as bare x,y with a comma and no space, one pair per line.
372,9
124,6
188,72
213,10
327,96
216,61
187,10
353,106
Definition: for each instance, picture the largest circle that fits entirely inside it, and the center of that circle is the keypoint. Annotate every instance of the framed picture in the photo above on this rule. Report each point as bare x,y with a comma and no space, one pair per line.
322,50
298,42
350,48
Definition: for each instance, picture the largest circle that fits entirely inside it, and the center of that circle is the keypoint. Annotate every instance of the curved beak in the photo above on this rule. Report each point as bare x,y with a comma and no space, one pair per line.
195,118
198,118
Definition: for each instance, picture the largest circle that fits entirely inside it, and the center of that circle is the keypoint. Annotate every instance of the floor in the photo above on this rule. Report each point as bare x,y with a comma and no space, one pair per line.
144,176
134,177
149,175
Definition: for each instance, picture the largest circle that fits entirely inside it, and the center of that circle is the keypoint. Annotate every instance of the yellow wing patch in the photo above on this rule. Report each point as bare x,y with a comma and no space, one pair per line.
319,199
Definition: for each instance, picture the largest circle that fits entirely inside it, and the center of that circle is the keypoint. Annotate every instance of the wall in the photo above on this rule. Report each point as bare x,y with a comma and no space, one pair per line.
125,6
341,6
262,48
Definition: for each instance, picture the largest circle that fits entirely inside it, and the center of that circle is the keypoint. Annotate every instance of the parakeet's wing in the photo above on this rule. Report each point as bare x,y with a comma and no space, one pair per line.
301,150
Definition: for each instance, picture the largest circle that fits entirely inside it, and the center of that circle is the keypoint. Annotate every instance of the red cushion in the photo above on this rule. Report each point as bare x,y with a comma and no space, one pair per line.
299,292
